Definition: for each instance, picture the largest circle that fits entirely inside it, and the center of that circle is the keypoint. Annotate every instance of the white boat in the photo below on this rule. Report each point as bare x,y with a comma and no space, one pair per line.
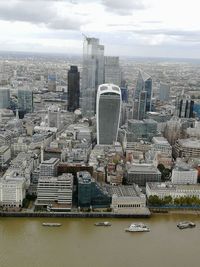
186,224
137,227
51,224
102,224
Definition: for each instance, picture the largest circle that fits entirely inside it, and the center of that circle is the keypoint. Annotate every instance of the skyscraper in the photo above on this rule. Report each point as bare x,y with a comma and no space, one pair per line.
144,84
112,70
108,110
25,101
73,88
4,98
164,91
184,106
93,63
93,71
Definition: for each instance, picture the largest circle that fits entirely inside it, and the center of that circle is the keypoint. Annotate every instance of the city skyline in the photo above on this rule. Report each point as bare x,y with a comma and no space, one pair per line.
146,28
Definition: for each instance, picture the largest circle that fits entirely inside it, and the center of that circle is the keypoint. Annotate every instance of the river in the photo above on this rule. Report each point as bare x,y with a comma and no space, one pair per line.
26,243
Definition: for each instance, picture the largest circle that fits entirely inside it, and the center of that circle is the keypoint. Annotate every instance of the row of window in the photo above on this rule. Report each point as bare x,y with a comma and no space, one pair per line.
129,206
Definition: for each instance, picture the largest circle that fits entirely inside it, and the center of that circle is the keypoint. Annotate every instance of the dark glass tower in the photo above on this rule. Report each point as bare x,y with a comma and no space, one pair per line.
73,88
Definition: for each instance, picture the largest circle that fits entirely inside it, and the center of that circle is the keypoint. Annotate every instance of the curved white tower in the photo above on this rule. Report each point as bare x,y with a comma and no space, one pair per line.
108,111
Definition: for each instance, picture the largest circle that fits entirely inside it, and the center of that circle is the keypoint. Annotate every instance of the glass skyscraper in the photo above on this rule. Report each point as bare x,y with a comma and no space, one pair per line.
144,84
25,101
108,110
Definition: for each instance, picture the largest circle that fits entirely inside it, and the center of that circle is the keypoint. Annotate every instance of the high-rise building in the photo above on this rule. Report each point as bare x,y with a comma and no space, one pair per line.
25,101
164,91
4,98
73,88
143,94
184,106
108,113
52,81
88,102
93,71
93,63
112,70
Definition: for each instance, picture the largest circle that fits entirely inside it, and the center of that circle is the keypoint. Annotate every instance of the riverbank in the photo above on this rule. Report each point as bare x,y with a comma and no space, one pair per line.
175,211
146,214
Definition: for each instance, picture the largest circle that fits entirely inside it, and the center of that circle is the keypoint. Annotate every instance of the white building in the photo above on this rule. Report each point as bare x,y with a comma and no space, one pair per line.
127,199
161,144
56,191
12,191
175,191
184,174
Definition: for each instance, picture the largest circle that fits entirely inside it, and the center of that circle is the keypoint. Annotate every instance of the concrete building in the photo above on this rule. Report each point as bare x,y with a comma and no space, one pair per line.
108,113
55,192
48,168
127,199
187,148
184,174
140,174
161,144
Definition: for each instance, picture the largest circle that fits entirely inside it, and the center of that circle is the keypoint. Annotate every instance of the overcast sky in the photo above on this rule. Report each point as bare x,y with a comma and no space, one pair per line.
154,28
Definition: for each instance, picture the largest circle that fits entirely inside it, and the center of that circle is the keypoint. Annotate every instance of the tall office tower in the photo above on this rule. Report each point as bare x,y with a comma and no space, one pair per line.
25,101
144,84
184,106
73,88
124,91
4,98
52,81
108,111
54,116
142,105
93,63
164,91
112,71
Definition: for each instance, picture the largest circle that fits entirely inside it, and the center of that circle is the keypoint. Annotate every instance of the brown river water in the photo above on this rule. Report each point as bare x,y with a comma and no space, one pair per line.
24,242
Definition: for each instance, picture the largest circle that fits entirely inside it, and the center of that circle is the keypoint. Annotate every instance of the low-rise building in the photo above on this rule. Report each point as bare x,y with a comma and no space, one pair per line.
184,174
127,199
142,173
187,148
55,192
175,191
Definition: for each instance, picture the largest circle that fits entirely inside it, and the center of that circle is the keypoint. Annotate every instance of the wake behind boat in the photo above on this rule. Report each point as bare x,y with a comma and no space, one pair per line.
51,224
185,225
102,224
137,227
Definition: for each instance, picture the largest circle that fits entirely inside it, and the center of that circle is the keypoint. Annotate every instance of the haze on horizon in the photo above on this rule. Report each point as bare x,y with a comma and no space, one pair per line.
144,28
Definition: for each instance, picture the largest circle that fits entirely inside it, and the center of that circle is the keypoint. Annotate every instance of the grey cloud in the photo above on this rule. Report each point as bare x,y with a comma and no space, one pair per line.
123,7
37,12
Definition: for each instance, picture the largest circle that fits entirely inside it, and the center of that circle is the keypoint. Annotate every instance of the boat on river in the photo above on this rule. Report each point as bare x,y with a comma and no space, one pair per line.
185,225
102,224
137,227
52,224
